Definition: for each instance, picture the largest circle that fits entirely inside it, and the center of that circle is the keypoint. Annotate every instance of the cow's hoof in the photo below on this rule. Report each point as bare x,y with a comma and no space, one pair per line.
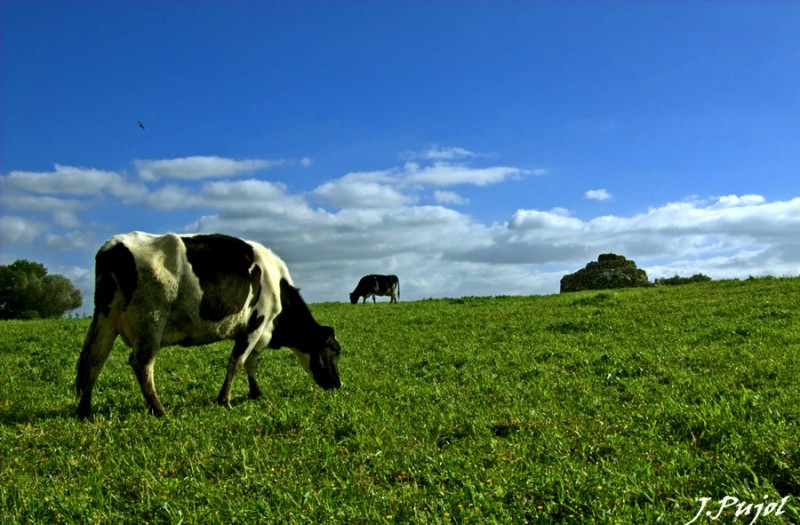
84,410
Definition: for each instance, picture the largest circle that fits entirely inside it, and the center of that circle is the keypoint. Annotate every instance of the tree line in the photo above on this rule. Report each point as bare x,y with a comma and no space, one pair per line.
28,292
678,280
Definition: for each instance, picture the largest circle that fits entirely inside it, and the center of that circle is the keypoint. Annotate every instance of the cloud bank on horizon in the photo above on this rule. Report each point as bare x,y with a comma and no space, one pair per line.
409,219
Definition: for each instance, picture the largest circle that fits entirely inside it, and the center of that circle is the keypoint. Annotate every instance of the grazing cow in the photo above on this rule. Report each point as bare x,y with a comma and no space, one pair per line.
372,285
189,290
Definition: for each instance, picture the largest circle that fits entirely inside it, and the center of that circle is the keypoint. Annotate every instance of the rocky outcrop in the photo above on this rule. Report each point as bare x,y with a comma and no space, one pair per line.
610,271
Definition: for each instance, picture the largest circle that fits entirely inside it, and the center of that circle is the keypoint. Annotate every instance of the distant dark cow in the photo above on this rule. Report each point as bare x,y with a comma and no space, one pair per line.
372,285
189,290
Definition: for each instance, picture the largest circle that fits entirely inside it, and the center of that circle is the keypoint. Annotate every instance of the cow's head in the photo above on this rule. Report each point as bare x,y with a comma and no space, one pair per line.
354,297
324,360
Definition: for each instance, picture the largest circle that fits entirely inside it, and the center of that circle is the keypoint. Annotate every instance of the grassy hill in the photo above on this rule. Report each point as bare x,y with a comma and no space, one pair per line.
615,407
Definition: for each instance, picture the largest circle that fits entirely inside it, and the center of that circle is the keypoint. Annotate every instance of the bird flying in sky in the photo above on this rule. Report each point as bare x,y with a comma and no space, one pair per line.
140,124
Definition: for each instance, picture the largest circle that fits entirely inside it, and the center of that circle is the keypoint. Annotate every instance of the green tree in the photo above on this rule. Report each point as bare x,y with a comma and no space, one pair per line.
26,292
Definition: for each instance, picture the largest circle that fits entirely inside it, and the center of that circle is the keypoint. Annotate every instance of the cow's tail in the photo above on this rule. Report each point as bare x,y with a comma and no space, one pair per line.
398,289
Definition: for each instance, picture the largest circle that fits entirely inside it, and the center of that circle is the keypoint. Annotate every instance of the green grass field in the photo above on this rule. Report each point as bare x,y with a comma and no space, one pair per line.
607,407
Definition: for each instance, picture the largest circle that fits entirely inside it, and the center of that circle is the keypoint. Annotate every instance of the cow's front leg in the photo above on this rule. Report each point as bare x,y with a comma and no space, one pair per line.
241,351
142,360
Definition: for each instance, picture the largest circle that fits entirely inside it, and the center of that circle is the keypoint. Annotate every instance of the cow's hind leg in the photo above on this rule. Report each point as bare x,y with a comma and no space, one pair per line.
96,348
142,360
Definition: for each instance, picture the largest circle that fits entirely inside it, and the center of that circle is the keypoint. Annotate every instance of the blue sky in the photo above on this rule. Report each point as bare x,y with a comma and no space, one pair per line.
472,148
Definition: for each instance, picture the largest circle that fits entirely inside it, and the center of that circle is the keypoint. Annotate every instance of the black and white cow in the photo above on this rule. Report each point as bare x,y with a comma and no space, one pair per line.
189,290
372,285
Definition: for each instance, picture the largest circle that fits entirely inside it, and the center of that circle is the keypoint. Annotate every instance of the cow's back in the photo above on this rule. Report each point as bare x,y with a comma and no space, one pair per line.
194,288
160,260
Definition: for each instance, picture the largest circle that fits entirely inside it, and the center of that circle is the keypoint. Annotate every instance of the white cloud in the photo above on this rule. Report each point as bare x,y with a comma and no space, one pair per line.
351,194
74,240
199,167
255,199
446,174
449,197
63,211
751,217
73,181
403,186
18,230
66,219
400,186
557,219
731,201
173,197
694,231
354,235
364,189
598,195
439,154
244,191
41,203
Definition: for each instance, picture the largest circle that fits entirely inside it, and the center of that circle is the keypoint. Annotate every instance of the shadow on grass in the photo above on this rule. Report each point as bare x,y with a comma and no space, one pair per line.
20,415
13,415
